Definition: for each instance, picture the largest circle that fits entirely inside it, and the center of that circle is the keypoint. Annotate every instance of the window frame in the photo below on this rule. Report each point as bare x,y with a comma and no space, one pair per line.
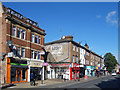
14,30
24,34
23,49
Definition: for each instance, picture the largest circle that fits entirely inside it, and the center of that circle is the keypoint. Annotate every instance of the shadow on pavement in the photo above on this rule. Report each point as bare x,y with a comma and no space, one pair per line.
10,85
112,83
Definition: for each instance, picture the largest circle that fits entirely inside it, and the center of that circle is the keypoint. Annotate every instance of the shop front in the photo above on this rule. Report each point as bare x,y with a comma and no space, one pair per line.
93,70
74,71
17,70
36,67
58,70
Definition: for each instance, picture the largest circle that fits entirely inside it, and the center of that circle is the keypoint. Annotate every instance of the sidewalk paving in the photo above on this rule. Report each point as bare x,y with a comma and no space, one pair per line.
47,82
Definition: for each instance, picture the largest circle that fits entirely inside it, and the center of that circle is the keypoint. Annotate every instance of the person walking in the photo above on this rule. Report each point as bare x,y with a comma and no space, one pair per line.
34,78
31,78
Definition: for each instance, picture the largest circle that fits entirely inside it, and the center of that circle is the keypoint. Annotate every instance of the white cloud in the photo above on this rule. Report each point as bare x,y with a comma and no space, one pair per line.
110,18
98,16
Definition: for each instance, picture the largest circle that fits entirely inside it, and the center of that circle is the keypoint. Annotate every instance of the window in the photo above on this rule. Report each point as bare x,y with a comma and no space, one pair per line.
14,31
39,39
76,59
77,49
23,34
32,54
39,55
23,52
14,52
19,33
33,38
73,60
35,54
73,48
19,52
36,37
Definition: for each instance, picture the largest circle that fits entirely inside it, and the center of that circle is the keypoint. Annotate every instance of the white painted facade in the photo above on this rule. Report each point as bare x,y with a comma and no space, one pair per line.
82,56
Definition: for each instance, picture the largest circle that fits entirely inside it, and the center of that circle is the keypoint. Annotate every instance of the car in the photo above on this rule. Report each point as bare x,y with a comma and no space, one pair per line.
114,74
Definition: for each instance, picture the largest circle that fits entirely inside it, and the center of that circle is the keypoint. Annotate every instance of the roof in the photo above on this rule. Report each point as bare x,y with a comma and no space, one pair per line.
77,44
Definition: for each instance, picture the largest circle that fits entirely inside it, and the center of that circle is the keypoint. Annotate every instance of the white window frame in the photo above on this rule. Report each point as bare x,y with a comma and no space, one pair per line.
33,38
14,31
24,34
73,47
23,50
32,54
19,52
39,40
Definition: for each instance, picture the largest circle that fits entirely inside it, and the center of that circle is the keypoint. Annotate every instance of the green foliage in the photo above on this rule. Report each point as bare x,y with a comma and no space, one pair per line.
110,62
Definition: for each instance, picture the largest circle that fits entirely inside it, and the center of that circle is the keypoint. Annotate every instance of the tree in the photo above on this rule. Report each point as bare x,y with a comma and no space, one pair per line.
110,62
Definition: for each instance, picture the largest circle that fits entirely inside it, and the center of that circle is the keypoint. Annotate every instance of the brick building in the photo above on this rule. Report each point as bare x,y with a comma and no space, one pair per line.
20,45
71,58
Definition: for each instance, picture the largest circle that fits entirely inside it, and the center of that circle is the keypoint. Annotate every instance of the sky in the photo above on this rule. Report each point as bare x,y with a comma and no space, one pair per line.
94,23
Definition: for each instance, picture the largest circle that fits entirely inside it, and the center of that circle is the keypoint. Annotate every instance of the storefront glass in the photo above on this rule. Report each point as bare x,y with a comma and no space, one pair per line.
13,74
23,74
18,74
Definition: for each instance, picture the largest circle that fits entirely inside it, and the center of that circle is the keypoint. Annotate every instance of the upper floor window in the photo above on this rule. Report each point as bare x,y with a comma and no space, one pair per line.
33,38
14,31
76,59
32,54
73,59
39,39
73,47
39,55
19,33
19,52
23,52
36,38
23,34
76,49
35,54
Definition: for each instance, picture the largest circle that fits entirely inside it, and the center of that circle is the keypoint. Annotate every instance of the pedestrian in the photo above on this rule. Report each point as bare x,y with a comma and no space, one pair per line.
64,77
31,78
34,78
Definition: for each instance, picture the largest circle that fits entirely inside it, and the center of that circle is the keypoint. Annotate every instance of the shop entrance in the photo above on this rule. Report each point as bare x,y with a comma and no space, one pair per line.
18,75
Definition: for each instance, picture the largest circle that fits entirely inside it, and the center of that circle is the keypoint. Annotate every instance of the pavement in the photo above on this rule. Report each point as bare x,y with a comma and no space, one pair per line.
47,83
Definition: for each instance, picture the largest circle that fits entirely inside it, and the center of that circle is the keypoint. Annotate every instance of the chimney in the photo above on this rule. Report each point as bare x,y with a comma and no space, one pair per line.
86,46
69,37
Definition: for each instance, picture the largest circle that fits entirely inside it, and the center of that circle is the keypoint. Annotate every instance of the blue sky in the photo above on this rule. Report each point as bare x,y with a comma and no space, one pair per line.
94,23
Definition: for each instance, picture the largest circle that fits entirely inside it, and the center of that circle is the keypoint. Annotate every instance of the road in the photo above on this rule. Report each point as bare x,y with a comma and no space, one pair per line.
96,83
104,82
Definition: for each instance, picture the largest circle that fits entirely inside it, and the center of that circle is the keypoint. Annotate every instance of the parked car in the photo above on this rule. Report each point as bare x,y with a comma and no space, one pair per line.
114,73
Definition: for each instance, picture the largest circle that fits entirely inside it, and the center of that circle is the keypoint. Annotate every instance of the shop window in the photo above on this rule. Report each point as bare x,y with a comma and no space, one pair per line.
23,52
33,38
36,38
13,74
39,39
23,74
14,31
19,33
23,34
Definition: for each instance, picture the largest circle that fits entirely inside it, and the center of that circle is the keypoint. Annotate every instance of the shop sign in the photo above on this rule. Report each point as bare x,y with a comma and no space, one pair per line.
45,64
60,65
42,53
36,64
73,65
